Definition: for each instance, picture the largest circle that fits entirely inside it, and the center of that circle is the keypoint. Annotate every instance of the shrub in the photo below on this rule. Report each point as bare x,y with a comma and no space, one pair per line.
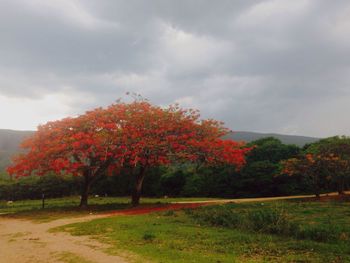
217,216
271,220
169,213
321,233
148,236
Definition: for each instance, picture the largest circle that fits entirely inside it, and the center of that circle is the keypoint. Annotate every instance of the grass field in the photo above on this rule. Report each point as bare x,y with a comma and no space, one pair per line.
283,231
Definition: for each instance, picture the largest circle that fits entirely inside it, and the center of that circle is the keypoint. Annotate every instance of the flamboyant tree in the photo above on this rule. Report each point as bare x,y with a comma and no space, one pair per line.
134,136
317,169
157,136
338,147
309,168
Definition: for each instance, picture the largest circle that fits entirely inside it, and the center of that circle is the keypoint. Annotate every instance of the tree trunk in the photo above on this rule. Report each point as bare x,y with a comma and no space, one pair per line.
341,187
341,192
317,191
85,191
136,194
316,185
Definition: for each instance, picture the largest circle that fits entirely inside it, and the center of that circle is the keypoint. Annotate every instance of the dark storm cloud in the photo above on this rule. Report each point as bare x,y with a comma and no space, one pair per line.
273,66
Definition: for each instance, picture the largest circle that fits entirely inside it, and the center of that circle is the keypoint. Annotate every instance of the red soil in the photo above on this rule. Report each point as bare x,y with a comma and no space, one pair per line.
178,206
151,209
328,198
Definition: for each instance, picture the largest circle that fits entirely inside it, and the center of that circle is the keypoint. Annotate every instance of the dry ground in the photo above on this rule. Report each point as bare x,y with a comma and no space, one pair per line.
28,242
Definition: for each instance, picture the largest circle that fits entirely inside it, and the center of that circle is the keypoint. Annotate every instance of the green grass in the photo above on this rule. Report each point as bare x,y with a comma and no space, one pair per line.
182,237
300,220
68,207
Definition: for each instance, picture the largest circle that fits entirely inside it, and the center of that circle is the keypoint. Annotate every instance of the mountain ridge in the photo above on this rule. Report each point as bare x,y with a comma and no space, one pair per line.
284,138
10,141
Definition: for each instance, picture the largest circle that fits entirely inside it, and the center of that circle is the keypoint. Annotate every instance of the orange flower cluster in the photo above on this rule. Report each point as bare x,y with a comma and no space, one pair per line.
126,135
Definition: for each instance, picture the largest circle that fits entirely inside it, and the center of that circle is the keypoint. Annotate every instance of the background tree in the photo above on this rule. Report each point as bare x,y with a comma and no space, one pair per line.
259,176
337,150
272,150
173,182
315,169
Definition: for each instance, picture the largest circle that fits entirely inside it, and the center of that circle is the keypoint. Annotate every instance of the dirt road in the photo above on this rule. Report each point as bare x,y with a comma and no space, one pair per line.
258,199
23,241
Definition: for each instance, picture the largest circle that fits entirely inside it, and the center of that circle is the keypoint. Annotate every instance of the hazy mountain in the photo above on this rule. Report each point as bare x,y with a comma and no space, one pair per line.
9,144
287,139
11,139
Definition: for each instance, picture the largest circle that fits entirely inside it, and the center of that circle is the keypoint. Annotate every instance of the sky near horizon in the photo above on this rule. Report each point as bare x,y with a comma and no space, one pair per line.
267,66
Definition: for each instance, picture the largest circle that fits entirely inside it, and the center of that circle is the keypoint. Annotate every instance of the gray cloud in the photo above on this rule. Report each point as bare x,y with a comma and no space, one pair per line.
271,66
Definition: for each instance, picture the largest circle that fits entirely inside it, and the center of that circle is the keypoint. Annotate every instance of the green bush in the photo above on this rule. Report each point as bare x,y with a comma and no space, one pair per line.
272,220
218,216
322,233
148,236
32,187
169,213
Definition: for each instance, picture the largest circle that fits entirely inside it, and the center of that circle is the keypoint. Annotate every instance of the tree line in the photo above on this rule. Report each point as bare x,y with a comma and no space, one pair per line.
272,169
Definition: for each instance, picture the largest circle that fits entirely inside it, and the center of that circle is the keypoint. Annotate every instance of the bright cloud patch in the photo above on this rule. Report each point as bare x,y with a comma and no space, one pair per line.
268,66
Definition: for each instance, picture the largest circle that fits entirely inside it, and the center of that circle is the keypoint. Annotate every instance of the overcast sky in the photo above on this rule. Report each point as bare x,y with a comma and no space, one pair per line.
268,66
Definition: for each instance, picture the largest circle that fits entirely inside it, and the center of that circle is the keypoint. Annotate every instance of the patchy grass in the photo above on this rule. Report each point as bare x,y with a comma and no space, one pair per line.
15,236
68,257
189,236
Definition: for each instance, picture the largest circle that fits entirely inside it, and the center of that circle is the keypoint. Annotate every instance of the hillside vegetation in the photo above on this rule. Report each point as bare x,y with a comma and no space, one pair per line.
286,139
9,144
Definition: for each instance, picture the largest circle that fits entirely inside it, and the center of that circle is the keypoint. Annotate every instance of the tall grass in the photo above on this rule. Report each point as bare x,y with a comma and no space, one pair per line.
269,220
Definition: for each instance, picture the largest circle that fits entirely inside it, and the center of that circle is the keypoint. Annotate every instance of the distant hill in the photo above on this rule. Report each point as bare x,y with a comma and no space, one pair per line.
11,139
286,139
9,144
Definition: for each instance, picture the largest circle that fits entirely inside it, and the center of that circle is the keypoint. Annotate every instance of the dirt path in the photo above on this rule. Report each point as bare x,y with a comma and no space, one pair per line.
258,199
24,241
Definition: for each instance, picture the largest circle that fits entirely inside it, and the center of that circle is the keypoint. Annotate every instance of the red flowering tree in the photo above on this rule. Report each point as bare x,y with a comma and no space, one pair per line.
338,150
158,136
317,169
135,136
